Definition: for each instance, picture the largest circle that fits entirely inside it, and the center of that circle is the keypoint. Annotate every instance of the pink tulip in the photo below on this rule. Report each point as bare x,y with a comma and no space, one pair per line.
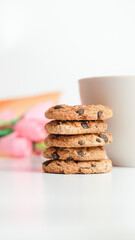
16,146
31,129
28,129
37,151
37,112
7,115
33,122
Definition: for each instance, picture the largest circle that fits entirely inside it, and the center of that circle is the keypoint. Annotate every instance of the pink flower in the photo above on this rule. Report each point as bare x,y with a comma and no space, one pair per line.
15,145
37,112
7,115
31,129
33,122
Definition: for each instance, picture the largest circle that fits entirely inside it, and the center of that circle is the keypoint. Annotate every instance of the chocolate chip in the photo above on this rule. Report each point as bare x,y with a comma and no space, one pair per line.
80,111
63,121
46,163
93,165
79,170
55,155
62,172
84,125
70,158
56,136
60,121
101,148
104,137
96,126
99,114
58,107
98,140
80,143
81,154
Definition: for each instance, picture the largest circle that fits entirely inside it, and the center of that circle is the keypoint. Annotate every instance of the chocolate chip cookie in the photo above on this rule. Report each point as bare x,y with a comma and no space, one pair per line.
87,140
74,167
75,127
79,112
80,154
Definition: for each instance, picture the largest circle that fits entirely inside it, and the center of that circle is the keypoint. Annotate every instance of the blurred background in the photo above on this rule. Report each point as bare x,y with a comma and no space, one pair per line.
47,46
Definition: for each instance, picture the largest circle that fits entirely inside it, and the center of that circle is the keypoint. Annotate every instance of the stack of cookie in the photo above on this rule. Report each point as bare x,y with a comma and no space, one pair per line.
76,139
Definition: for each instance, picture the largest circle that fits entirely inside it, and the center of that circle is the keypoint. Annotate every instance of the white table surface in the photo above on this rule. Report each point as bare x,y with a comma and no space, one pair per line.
34,205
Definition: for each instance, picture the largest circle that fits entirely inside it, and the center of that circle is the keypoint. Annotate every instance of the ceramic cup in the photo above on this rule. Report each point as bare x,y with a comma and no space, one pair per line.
118,93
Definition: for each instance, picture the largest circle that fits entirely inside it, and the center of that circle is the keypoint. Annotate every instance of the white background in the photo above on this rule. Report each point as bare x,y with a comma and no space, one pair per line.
48,45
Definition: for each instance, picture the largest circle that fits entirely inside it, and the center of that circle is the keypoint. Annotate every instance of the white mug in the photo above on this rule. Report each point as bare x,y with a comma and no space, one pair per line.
118,93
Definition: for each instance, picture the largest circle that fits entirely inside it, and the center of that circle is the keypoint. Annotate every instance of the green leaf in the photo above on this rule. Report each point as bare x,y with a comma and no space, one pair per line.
39,145
4,123
5,132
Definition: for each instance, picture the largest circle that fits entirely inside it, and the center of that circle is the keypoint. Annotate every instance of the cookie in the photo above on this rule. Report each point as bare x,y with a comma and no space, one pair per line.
79,112
87,140
75,127
80,154
74,167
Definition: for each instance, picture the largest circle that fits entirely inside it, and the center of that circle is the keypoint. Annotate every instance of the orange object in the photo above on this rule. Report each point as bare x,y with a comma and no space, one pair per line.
21,105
